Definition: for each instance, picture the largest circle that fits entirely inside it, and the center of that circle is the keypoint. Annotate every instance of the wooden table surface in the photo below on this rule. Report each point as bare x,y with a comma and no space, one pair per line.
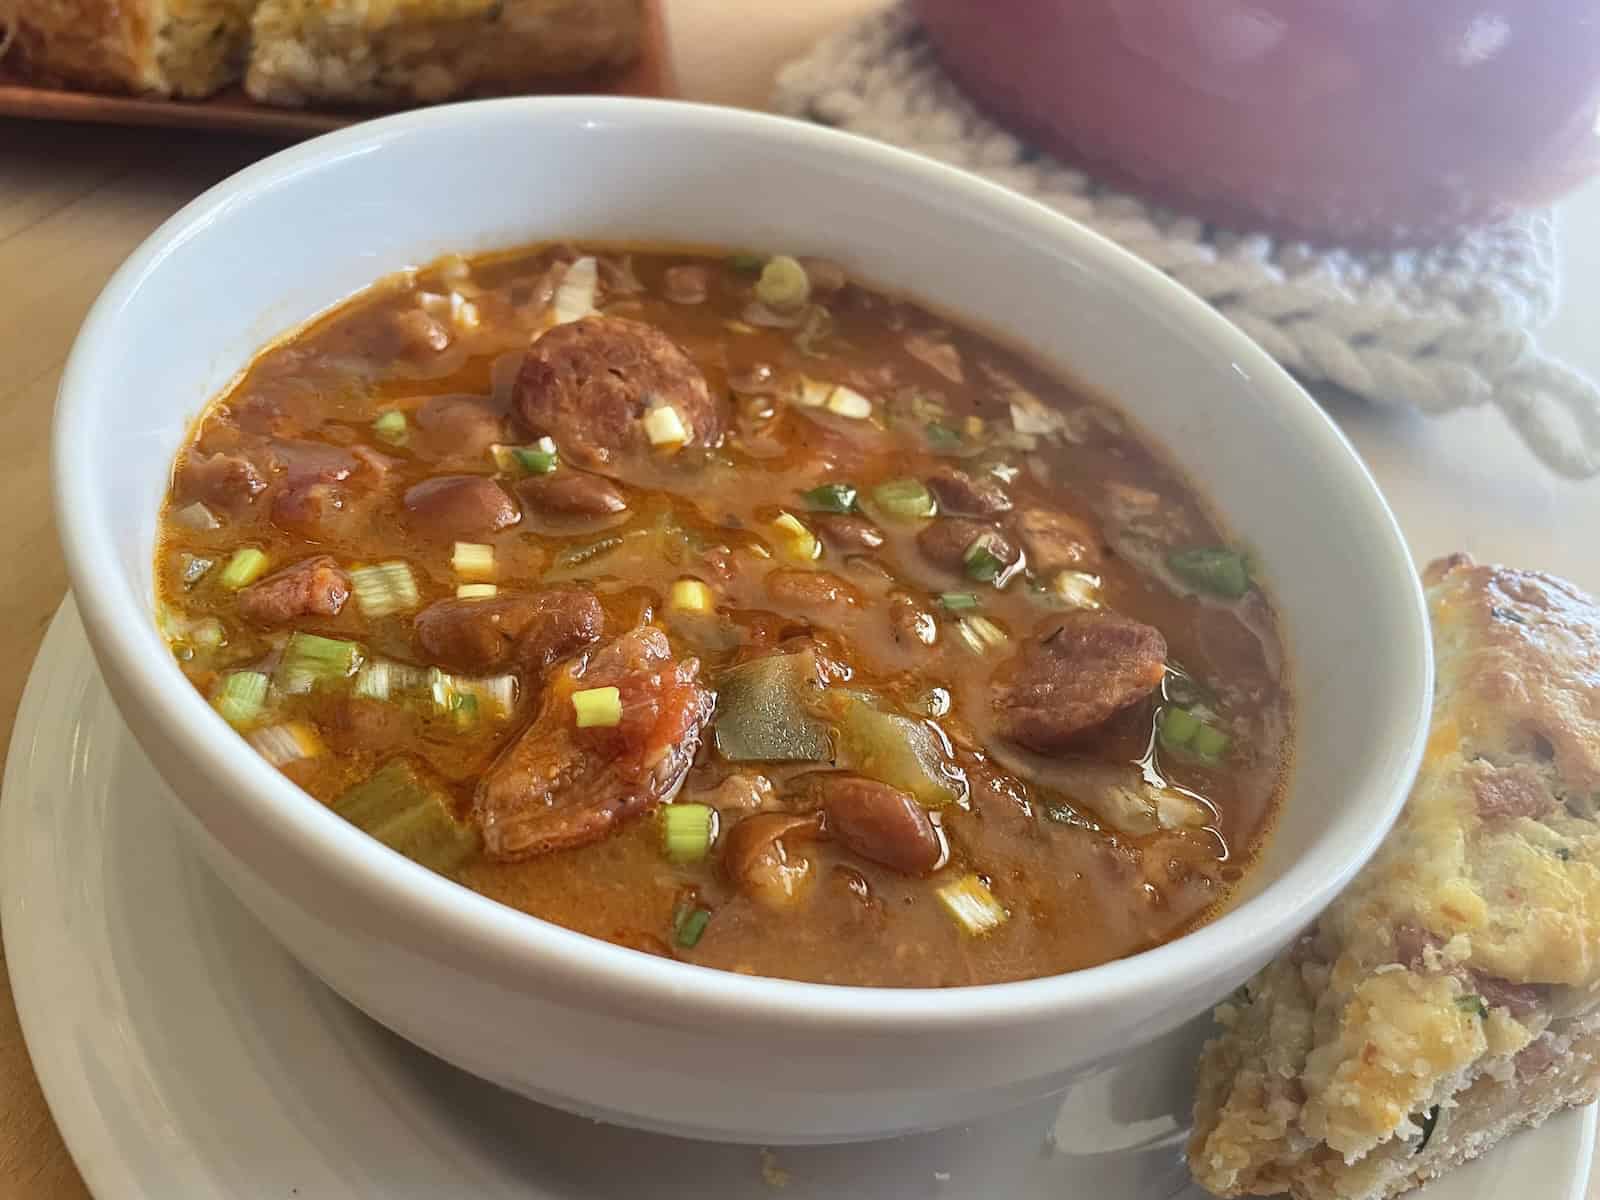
74,201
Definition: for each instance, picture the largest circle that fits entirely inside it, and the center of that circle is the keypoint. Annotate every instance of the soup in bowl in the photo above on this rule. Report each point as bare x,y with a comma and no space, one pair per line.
822,567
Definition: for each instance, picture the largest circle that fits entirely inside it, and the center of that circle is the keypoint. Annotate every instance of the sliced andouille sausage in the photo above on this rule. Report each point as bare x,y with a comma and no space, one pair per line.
1083,668
569,493
964,495
529,631
313,587
761,857
589,383
225,482
945,542
559,786
459,426
1055,541
447,507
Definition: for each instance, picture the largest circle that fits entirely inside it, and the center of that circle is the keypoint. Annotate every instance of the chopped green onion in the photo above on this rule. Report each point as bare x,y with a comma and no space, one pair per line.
194,569
906,499
391,427
958,601
981,634
689,927
597,708
408,815
1177,727
687,831
746,263
309,660
690,595
1472,1003
539,459
981,561
847,402
381,679
972,904
664,427
283,744
241,698
784,285
243,569
831,497
1210,743
942,437
497,693
473,560
1215,570
384,589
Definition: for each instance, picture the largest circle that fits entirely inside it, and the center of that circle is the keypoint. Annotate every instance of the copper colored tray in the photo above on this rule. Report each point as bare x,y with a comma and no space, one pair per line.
649,75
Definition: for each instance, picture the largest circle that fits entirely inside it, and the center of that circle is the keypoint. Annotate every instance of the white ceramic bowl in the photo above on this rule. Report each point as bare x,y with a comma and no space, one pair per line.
604,1030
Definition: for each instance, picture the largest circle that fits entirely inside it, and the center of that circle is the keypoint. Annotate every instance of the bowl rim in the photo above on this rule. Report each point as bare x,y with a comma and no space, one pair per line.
533,949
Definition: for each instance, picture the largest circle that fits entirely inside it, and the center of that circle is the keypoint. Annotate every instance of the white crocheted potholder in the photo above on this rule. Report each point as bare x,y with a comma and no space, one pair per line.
1443,328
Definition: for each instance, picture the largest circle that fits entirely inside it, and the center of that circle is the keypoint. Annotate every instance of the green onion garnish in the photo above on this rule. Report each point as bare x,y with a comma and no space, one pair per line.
1472,1003
1215,570
597,708
942,437
384,589
309,660
1177,727
241,697
534,460
972,904
905,499
1210,743
958,601
831,497
981,634
784,285
391,427
689,926
243,569
982,562
687,831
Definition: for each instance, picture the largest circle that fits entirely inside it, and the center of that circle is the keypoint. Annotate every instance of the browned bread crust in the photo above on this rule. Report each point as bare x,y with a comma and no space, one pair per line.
1452,994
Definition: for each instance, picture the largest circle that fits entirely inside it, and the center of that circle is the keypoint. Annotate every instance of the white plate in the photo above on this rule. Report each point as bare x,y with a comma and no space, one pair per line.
184,1054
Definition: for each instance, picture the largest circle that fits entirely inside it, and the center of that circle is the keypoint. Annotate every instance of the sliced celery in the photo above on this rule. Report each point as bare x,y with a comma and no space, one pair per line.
244,568
409,815
309,661
241,697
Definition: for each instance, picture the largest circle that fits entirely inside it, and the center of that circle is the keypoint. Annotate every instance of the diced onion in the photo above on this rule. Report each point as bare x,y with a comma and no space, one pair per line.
196,516
972,904
664,427
574,299
846,402
384,589
282,744
691,595
798,542
1029,415
476,591
597,708
1077,588
473,560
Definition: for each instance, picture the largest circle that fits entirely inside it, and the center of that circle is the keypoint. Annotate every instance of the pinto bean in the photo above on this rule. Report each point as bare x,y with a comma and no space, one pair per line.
963,495
459,506
569,493
881,823
946,541
530,631
757,858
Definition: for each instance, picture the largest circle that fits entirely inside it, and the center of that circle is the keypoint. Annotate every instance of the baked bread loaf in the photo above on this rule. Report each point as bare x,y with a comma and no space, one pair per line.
187,48
397,52
1452,994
